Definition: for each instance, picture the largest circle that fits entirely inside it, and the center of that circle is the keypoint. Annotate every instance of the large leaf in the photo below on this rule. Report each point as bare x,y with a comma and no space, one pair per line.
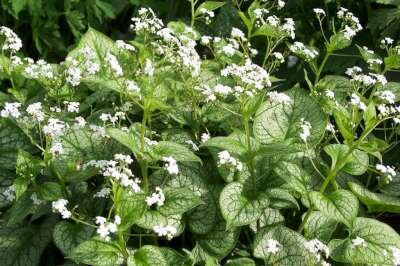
175,150
280,123
130,207
68,235
22,245
179,201
152,218
127,139
340,205
147,256
81,146
12,139
6,182
27,168
97,252
237,208
374,201
319,226
219,242
291,248
379,239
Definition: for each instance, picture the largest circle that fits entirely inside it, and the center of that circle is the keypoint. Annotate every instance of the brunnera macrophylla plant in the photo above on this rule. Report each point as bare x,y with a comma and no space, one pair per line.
177,149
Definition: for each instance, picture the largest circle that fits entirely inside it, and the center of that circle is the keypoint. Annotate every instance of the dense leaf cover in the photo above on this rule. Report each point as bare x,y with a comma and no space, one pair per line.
210,135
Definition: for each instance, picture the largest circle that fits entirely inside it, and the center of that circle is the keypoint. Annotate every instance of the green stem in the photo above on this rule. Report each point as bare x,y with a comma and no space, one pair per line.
250,162
321,67
142,161
192,4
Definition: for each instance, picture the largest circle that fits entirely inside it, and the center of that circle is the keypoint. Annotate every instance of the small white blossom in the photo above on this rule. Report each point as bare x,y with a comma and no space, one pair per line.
80,122
11,110
168,231
272,246
395,256
74,76
54,127
60,206
125,46
192,144
114,64
106,228
12,42
35,110
9,193
279,97
356,101
35,200
279,57
56,149
319,12
306,130
148,68
387,96
157,198
72,107
224,158
388,171
205,137
170,165
317,248
358,242
330,94
103,193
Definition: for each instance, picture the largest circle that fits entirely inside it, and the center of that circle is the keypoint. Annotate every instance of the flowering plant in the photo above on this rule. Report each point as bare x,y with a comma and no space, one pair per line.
180,148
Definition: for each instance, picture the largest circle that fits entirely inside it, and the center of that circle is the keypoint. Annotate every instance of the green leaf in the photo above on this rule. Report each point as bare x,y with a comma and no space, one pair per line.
230,143
20,209
12,139
27,168
209,5
268,30
282,199
319,226
340,205
68,235
152,218
338,42
177,151
236,207
379,239
127,139
269,217
374,201
355,163
51,191
280,123
276,149
81,146
219,242
179,201
392,61
6,181
22,245
175,258
130,207
97,252
296,178
291,249
147,256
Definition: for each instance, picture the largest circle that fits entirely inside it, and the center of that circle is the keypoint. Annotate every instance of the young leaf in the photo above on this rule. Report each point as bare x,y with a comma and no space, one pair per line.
319,226
209,5
51,191
97,252
175,150
179,201
338,42
130,207
340,205
27,168
129,140
236,208
374,201
356,163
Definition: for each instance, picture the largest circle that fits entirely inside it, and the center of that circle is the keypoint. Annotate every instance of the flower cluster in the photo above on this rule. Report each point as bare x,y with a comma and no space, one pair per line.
388,171
301,50
12,42
317,248
272,246
11,110
168,231
157,198
279,97
170,165
106,228
306,130
224,158
350,22
146,22
358,242
60,206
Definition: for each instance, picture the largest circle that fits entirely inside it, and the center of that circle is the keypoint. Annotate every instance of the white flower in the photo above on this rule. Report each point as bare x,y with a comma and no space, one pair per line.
156,198
205,40
224,158
106,228
388,171
222,89
74,76
358,242
387,41
330,94
80,122
103,193
114,64
319,12
72,107
396,256
170,165
56,149
387,96
356,101
35,110
279,57
229,50
54,127
306,130
126,159
12,42
281,4
11,110
330,128
148,68
35,200
169,231
317,248
236,33
353,71
125,46
9,193
352,23
300,49
278,97
205,137
147,21
60,206
131,86
272,246
208,14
